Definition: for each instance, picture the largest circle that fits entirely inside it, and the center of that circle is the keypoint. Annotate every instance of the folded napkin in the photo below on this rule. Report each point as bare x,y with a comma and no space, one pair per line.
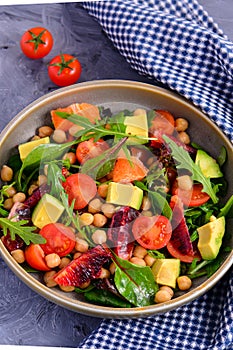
177,44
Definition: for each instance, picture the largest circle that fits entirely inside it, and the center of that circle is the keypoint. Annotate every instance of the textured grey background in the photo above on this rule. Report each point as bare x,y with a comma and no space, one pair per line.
25,317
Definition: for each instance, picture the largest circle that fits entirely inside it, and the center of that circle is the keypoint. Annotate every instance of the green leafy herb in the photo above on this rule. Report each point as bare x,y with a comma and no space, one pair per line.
104,297
136,283
156,254
227,210
26,233
184,161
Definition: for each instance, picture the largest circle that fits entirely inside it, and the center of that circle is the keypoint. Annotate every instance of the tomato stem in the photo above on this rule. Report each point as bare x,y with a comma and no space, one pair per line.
36,39
63,64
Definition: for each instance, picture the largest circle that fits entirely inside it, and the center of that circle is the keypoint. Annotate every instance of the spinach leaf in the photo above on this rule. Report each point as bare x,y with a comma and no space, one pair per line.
135,283
106,298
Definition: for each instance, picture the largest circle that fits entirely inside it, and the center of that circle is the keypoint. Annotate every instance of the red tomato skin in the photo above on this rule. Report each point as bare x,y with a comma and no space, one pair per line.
35,257
90,149
28,48
163,123
68,76
81,188
192,198
60,239
152,232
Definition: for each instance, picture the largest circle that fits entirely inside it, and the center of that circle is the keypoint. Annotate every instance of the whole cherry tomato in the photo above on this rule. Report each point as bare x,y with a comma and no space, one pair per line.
36,42
64,70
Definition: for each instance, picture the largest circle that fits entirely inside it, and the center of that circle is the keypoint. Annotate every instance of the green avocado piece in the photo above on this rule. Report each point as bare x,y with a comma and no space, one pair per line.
124,194
210,238
137,125
166,271
48,210
209,167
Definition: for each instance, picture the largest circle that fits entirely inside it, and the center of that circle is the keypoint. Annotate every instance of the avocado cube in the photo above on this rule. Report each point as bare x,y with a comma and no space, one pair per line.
27,147
48,210
208,165
166,271
137,125
124,194
210,238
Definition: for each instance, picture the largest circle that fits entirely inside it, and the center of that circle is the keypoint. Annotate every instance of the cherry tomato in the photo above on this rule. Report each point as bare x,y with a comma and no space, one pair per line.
90,149
60,239
163,123
36,42
191,198
176,254
35,257
152,232
64,70
81,188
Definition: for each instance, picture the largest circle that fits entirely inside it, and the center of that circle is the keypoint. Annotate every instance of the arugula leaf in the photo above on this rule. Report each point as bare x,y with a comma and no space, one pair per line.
184,161
135,283
227,210
26,233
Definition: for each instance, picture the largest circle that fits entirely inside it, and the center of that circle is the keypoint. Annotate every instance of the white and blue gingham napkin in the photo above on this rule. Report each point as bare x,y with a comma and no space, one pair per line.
175,43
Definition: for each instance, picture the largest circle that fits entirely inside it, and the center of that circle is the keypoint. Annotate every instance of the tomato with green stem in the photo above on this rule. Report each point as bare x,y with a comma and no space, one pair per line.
64,70
36,43
152,232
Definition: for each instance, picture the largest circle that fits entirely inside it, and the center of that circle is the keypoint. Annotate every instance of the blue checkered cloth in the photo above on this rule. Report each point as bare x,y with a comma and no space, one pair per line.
177,44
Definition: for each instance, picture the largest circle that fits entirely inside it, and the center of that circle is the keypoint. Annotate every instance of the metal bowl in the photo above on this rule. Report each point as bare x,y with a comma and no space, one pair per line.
117,95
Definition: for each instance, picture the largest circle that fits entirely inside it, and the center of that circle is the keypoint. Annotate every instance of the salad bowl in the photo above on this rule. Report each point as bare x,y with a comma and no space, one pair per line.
118,95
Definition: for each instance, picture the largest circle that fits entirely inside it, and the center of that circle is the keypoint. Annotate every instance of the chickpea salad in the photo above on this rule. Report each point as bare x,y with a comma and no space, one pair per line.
123,208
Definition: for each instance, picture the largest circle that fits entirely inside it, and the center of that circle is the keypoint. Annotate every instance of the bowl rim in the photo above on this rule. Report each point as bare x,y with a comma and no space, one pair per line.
84,307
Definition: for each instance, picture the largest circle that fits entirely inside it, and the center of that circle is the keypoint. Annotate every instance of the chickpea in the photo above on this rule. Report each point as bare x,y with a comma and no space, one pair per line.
42,179
85,284
104,273
77,255
139,111
74,129
59,136
103,190
149,260
139,252
185,182
18,255
71,156
35,137
168,289
112,268
8,203
147,213
99,237
137,261
46,169
150,161
48,279
81,245
44,131
181,124
10,191
52,260
184,137
146,204
6,173
184,282
94,206
108,210
162,296
67,288
86,219
31,189
99,220
64,262
19,197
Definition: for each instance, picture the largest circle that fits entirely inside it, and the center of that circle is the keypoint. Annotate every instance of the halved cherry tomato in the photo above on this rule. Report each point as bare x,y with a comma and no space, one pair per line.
35,257
90,149
163,123
60,239
152,232
64,70
178,255
36,42
81,188
191,198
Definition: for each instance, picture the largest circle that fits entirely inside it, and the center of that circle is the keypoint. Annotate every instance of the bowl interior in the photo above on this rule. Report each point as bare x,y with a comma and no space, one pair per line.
117,95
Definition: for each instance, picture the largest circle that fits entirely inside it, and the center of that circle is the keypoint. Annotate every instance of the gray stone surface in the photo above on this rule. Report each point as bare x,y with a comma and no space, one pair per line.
25,317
